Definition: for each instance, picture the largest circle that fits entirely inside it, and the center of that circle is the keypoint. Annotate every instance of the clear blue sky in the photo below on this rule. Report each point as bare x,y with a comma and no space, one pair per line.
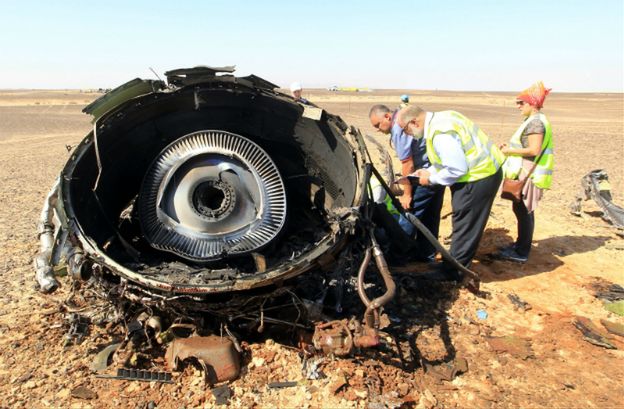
459,45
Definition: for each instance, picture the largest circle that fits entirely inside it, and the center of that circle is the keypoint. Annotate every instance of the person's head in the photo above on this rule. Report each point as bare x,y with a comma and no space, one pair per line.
525,108
295,89
531,100
380,118
412,120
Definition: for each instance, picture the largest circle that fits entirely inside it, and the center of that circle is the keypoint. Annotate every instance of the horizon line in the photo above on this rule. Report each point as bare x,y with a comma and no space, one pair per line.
365,90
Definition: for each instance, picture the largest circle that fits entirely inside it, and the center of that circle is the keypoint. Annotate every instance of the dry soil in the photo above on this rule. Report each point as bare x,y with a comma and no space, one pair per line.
515,357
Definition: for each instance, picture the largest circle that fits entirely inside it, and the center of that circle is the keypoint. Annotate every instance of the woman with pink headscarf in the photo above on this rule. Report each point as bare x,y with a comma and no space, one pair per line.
530,147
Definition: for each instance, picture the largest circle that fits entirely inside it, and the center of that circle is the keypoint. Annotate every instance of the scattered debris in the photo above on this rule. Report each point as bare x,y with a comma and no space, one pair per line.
591,333
311,368
178,330
101,360
518,303
82,392
222,394
280,385
595,185
613,327
516,346
139,375
607,291
482,314
78,329
611,294
333,338
447,371
217,356
314,310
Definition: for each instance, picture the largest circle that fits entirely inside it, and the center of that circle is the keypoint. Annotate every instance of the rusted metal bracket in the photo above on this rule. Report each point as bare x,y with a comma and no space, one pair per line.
139,375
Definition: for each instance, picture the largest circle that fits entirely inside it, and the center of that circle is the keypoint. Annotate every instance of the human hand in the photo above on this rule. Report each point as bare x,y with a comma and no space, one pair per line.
423,176
406,201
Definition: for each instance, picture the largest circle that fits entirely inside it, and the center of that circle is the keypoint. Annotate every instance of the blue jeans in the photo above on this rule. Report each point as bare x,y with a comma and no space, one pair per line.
427,205
406,226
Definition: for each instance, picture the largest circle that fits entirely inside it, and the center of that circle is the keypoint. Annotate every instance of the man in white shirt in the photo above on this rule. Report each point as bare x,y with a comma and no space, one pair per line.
464,158
295,90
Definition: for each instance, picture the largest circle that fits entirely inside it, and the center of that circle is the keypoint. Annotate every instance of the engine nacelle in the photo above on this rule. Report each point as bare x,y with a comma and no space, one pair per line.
210,183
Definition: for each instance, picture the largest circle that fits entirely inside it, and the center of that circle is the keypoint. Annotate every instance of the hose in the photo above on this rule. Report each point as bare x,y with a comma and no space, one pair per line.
44,273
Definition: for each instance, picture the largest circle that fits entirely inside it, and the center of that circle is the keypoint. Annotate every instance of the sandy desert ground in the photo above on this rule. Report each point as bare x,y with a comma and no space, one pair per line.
515,357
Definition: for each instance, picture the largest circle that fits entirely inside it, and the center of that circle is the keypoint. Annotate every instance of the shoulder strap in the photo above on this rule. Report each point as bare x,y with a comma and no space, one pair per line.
534,166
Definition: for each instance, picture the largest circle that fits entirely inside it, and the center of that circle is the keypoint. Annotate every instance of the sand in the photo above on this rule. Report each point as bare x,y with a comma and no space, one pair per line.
570,254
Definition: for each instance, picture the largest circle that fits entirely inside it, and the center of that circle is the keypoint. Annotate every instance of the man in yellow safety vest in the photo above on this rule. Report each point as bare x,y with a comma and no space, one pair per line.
463,157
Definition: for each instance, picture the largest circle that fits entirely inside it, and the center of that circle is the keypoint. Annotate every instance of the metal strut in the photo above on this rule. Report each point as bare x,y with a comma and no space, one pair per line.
472,280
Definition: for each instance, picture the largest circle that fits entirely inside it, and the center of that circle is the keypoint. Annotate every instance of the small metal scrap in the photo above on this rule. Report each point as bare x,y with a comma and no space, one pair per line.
591,333
139,375
78,329
217,356
447,371
611,293
222,394
311,368
100,362
279,385
518,303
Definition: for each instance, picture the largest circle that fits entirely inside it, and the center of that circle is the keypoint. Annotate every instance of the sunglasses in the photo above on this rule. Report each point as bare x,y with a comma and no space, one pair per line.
520,103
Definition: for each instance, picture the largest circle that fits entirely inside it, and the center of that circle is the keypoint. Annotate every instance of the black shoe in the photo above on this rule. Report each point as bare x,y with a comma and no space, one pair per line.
507,248
512,255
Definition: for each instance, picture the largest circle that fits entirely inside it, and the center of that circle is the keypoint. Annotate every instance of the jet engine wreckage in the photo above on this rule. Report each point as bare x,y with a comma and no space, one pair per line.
218,201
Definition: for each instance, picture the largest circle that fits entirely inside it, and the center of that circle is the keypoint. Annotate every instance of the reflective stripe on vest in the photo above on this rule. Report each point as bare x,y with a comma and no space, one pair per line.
482,156
542,175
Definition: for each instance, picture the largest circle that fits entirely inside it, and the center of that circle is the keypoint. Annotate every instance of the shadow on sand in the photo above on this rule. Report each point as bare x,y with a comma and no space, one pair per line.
419,324
545,255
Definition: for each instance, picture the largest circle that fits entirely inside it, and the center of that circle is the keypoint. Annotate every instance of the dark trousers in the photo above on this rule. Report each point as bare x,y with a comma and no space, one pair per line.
472,202
526,226
390,235
427,205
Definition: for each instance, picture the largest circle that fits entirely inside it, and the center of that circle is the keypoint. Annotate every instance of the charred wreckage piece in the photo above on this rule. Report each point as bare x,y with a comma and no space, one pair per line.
207,195
595,185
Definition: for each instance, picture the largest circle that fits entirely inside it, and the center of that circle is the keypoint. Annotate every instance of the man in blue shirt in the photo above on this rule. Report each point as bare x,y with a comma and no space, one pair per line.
424,202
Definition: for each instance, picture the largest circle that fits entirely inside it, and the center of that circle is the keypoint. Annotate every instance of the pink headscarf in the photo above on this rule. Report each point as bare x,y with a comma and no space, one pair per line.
534,95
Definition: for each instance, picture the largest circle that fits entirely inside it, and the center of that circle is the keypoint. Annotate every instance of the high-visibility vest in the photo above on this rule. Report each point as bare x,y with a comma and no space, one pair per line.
482,156
542,175
374,182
